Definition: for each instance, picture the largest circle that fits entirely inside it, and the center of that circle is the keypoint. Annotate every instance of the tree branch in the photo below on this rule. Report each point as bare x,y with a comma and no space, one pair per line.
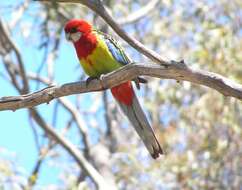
173,70
78,156
13,47
140,13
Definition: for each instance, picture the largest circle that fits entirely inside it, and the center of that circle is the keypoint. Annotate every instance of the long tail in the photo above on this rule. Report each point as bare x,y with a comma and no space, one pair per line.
129,103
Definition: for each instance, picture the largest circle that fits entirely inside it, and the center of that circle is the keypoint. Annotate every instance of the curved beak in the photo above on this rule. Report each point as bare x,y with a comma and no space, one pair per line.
68,36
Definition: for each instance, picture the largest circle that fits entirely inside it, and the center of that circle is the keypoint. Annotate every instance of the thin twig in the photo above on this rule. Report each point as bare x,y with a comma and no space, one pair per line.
78,156
13,46
71,109
139,14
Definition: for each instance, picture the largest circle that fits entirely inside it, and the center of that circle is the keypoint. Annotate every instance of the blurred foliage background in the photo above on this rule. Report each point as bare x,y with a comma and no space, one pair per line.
199,128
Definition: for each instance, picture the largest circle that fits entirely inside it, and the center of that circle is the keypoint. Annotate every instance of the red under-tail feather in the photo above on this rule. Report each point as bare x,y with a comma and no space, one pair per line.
123,93
129,103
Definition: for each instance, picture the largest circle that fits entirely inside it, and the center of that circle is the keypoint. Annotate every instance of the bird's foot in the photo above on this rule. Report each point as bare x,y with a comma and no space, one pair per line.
139,80
142,80
101,81
89,79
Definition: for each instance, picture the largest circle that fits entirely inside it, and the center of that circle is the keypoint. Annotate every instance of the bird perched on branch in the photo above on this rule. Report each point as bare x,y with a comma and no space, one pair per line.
99,54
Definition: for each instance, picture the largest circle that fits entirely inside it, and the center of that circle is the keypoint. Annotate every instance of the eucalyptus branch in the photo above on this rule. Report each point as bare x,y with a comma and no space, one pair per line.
174,70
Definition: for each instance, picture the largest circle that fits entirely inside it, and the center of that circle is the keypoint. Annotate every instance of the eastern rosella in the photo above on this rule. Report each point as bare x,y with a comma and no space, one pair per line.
99,54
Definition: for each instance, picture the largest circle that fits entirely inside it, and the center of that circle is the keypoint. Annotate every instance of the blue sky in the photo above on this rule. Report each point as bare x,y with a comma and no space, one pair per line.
16,133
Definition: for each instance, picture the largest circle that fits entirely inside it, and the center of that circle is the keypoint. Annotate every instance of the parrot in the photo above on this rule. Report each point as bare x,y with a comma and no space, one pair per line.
99,54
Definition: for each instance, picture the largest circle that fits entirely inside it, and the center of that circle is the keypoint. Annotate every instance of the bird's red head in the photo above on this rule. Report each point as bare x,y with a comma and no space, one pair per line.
80,33
75,28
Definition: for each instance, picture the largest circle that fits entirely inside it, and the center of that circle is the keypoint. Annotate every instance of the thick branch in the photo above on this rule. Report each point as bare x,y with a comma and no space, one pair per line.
174,70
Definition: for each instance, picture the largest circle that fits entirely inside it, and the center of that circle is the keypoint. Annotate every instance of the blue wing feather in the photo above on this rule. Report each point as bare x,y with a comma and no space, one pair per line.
116,52
115,49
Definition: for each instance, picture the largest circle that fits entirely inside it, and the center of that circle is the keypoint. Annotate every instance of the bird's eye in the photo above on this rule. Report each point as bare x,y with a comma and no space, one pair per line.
73,30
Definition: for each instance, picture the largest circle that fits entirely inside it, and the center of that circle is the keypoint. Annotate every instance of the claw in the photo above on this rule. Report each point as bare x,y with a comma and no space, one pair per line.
142,80
89,79
101,81
139,80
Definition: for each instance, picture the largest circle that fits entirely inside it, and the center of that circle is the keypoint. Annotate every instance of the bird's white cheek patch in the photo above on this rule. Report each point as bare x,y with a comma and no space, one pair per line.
76,36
